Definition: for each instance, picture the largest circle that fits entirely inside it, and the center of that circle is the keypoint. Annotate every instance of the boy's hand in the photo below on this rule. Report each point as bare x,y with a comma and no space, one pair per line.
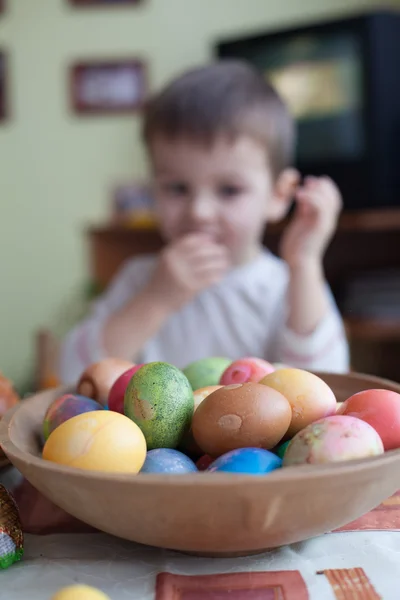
318,206
186,267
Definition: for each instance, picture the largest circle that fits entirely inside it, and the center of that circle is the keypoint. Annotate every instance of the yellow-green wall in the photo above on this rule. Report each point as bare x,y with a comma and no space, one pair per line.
56,169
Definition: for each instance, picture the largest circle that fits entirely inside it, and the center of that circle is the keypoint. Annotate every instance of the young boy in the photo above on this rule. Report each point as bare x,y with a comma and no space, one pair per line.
220,143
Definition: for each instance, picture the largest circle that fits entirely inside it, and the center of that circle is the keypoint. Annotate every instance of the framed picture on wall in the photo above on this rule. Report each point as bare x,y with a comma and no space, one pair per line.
3,86
2,6
108,87
103,2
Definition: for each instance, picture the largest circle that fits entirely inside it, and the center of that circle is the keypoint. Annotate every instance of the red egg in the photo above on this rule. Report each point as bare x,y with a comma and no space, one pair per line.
245,370
117,392
204,462
381,410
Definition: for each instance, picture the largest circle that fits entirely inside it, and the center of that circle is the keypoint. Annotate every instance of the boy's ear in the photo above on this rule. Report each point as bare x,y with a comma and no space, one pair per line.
283,193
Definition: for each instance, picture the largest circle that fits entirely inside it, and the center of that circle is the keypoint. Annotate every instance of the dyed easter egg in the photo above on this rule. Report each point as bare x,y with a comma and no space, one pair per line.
278,366
379,408
241,415
159,399
65,407
310,397
206,371
8,396
188,444
202,393
118,389
245,370
98,441
281,449
80,592
204,462
333,439
167,460
249,461
97,380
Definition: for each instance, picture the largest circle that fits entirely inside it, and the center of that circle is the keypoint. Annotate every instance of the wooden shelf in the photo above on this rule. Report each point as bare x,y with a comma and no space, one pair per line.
382,330
366,220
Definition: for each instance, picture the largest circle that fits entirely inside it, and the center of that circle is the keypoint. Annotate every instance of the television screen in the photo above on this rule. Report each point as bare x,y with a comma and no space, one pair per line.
320,77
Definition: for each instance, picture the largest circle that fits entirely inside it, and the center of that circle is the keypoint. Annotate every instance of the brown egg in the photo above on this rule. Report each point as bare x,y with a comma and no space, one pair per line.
188,445
97,380
8,396
247,415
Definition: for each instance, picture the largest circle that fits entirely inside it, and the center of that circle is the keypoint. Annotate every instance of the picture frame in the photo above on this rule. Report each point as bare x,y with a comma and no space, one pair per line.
4,114
102,3
116,86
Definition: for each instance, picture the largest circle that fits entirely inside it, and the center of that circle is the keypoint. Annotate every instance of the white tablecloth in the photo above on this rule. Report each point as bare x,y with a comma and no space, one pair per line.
126,571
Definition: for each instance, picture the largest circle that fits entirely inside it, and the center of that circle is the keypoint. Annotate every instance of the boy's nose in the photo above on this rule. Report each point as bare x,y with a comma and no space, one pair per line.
202,208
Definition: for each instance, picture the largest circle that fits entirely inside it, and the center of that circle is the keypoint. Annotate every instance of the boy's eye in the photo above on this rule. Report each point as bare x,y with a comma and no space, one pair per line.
229,191
177,189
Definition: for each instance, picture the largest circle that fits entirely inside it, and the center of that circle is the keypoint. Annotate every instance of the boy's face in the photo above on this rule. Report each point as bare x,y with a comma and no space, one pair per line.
222,190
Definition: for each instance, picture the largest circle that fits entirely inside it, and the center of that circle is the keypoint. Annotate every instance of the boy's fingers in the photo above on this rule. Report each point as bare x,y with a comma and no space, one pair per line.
211,263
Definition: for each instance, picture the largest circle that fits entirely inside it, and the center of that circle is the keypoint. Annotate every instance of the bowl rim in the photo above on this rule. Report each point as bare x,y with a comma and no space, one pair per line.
285,475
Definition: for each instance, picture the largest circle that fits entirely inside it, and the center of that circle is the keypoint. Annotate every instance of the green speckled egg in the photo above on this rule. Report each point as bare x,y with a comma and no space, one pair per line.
159,399
206,371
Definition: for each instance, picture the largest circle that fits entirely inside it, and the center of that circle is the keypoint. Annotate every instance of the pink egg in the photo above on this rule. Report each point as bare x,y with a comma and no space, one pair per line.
379,408
117,392
246,370
333,439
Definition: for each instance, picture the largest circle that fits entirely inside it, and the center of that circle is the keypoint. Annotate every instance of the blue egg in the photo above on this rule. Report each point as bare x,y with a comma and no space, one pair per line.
249,461
166,460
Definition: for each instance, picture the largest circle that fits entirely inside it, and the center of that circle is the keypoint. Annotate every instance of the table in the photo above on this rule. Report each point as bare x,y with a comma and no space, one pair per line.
126,571
364,562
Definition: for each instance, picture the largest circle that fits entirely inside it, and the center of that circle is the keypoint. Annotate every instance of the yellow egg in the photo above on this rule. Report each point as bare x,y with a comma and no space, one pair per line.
99,441
309,396
80,592
202,393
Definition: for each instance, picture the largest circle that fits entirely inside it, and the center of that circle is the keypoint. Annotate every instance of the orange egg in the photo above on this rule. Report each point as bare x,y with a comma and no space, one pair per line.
8,396
309,396
240,416
99,441
97,380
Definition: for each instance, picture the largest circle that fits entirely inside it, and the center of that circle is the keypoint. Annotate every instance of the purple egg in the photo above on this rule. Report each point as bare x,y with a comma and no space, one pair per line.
65,407
169,461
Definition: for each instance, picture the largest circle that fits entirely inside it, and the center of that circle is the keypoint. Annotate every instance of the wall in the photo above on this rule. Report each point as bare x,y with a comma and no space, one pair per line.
55,169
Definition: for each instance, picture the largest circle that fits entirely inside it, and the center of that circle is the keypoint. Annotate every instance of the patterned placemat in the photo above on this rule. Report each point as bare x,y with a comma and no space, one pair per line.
385,517
347,584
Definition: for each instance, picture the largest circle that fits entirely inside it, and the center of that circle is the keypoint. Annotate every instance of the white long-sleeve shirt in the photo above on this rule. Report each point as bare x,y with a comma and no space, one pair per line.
243,315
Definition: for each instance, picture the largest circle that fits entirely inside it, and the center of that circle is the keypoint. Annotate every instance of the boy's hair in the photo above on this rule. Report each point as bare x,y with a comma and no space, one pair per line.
229,98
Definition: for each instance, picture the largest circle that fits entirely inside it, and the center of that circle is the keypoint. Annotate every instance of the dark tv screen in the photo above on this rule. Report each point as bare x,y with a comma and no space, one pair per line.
320,78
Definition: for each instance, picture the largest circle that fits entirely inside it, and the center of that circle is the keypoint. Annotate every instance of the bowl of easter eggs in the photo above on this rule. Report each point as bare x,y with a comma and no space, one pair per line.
221,458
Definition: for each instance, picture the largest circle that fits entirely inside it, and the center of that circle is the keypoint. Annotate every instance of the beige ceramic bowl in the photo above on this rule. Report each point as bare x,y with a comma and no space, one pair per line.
207,514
